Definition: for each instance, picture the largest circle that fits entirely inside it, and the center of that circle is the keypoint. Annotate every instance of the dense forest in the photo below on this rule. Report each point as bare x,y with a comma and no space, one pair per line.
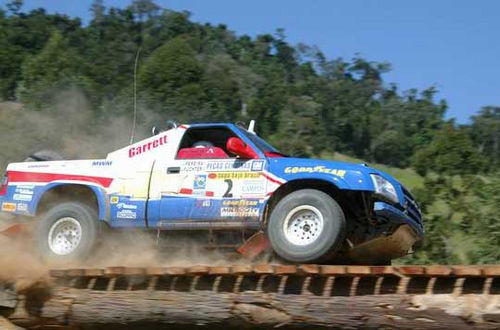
304,103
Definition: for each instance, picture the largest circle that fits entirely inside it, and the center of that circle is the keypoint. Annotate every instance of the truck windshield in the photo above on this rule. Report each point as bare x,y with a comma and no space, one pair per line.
260,143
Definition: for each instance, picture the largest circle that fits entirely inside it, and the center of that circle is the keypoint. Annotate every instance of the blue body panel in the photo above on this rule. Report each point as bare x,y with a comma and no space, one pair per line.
27,201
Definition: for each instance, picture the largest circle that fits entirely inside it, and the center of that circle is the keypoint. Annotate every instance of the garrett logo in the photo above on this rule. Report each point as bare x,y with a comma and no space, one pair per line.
134,151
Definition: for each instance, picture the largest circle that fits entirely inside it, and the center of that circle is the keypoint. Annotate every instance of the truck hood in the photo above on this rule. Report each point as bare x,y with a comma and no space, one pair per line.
347,176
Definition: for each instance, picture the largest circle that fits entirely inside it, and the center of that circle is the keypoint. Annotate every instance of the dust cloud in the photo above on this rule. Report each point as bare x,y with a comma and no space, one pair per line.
17,258
69,127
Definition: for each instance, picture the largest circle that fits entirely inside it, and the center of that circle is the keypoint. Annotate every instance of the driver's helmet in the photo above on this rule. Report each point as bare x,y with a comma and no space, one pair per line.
203,144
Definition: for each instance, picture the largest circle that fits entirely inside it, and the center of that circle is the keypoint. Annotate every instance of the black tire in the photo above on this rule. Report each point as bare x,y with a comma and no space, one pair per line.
328,240
87,219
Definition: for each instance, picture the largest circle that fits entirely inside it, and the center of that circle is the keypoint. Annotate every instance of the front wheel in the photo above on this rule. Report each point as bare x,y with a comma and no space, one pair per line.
67,232
306,226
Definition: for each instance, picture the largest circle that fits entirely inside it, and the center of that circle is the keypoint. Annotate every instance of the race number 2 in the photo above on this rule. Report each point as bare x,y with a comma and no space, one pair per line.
228,192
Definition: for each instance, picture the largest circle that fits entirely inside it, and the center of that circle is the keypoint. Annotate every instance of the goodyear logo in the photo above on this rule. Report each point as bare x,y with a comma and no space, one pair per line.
8,207
233,175
315,169
239,202
114,199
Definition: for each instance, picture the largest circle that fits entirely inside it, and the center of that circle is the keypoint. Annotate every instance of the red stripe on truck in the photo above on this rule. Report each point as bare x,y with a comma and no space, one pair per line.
15,176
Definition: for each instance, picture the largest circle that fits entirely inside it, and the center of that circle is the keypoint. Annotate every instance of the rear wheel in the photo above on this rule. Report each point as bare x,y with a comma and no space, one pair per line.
306,226
67,232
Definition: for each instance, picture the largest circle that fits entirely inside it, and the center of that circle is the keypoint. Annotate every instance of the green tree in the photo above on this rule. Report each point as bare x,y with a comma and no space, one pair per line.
298,132
172,75
450,152
55,68
485,132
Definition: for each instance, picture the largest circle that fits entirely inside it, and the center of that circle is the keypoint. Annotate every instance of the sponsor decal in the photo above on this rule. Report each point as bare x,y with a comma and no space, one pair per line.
38,166
114,199
8,207
121,206
23,207
239,211
24,188
126,214
200,181
237,165
257,165
102,163
315,169
233,175
24,191
22,197
240,202
135,151
203,203
253,187
192,166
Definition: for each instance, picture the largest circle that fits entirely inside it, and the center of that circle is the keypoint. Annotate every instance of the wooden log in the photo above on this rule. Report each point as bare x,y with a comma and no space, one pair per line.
70,307
8,298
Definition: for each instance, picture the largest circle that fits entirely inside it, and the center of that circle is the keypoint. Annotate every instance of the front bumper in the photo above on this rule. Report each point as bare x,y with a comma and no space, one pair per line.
406,234
395,216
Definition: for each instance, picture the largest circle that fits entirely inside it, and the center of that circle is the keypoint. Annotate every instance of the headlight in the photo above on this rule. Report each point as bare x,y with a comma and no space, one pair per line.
384,188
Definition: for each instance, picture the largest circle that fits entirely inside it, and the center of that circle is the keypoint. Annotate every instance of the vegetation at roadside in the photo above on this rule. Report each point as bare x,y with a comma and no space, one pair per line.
304,103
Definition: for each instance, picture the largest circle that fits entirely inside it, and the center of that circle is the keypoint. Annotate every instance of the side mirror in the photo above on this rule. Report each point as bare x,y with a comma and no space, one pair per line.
240,148
155,130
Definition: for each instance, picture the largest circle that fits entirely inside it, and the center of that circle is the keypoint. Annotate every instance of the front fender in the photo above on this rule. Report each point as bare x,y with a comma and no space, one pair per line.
100,194
343,176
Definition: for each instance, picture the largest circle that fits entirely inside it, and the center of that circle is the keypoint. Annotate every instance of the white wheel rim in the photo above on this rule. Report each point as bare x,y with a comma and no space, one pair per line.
303,225
65,236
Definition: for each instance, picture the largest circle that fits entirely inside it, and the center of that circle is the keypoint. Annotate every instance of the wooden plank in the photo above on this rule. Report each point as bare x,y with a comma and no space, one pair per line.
359,270
491,270
467,271
308,269
114,271
241,269
155,271
58,272
219,270
332,270
134,271
381,270
285,269
411,270
174,271
263,269
93,272
76,272
438,270
197,270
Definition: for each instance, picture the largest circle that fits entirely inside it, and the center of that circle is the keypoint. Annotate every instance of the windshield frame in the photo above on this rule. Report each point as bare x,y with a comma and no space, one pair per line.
259,142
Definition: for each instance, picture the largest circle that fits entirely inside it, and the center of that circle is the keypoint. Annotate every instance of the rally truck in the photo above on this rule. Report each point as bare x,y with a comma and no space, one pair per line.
216,179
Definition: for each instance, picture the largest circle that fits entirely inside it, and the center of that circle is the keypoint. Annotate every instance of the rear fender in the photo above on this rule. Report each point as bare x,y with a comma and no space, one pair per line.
99,192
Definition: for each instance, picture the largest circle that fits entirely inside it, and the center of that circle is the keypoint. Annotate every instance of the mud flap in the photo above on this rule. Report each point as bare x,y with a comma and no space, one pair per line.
254,246
18,230
385,248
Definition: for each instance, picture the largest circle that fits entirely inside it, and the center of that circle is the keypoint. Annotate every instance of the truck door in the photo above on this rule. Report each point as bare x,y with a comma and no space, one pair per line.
205,183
